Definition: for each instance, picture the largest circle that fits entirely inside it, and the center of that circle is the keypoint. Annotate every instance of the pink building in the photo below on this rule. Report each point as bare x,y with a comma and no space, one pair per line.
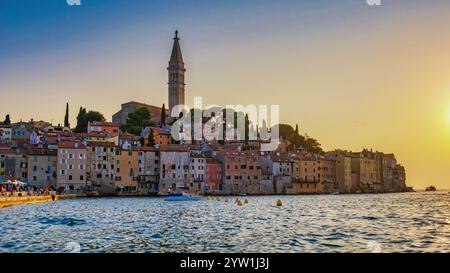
71,165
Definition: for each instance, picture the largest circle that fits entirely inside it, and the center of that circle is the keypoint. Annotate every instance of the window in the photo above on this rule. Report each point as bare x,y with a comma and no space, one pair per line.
70,177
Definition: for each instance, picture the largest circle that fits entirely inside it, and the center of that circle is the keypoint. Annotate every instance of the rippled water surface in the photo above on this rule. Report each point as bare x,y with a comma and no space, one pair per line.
408,222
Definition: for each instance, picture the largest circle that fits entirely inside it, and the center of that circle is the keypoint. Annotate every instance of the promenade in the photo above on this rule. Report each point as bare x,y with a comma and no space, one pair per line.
21,200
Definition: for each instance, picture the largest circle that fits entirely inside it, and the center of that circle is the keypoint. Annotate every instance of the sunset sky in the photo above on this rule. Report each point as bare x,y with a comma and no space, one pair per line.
351,75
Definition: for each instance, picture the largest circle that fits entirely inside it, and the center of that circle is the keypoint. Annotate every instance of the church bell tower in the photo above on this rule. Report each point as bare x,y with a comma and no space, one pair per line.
176,73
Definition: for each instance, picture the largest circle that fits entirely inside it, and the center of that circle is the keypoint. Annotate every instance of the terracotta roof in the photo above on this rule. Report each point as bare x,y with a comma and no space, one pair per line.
103,123
101,144
42,151
128,136
71,145
177,148
97,134
144,149
161,131
9,151
282,158
241,153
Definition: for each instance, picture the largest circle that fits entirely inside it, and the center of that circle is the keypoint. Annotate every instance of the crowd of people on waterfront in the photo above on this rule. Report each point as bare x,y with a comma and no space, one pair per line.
10,189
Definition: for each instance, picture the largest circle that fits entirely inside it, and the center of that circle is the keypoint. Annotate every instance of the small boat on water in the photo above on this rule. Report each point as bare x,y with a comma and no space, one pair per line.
183,198
334,193
431,188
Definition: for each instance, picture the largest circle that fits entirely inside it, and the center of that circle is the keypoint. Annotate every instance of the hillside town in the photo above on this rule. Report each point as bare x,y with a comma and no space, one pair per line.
113,158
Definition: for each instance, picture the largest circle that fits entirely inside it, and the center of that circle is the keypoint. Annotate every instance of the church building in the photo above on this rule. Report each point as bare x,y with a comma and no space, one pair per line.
176,89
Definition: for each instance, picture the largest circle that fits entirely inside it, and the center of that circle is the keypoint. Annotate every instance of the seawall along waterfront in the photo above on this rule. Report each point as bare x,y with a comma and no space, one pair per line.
13,201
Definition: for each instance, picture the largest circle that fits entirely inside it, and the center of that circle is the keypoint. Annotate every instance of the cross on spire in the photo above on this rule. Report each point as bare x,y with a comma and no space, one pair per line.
176,56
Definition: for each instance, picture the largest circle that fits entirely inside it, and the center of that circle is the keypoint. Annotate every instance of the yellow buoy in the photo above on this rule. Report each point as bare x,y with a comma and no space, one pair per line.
209,197
245,201
238,202
279,203
226,200
218,199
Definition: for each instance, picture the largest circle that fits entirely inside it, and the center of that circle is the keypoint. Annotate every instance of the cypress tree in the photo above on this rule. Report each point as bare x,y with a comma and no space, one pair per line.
7,120
151,139
163,116
66,117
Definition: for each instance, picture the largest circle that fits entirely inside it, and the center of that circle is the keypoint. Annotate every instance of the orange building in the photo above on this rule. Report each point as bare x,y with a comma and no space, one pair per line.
103,127
126,170
307,173
161,136
242,171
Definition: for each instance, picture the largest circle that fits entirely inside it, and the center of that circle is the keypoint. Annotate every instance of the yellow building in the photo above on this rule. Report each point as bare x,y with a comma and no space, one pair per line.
366,167
100,137
307,176
343,170
328,175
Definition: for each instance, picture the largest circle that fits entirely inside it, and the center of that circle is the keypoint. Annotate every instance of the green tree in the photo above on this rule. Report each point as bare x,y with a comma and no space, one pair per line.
247,129
7,119
137,120
163,116
297,140
84,118
81,117
66,117
151,139
92,116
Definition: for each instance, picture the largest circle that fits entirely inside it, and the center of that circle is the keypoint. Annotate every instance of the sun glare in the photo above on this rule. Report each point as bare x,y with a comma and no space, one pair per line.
448,115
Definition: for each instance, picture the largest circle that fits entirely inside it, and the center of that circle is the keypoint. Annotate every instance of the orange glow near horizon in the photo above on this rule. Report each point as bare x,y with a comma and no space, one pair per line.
351,76
448,116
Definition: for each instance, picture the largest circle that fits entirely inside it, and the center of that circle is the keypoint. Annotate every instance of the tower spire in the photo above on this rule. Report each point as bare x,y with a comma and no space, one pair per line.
176,73
176,57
